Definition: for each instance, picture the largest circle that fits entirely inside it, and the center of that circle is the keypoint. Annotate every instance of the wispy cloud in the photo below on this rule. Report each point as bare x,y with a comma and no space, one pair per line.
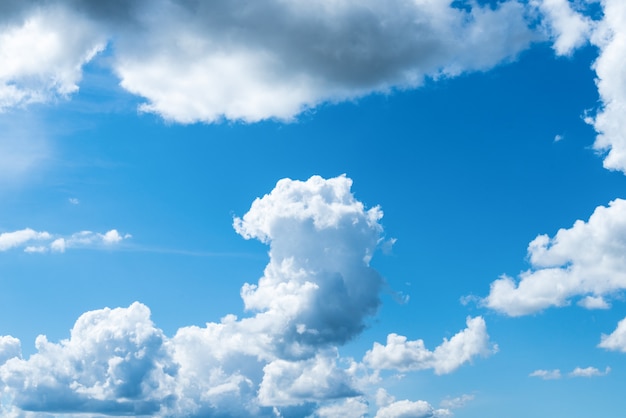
577,372
40,242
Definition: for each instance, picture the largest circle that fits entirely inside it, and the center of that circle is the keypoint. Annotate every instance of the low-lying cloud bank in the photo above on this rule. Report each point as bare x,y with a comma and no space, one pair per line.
316,293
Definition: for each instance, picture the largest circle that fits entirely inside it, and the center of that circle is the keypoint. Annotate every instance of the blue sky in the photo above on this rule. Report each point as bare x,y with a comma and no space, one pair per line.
398,209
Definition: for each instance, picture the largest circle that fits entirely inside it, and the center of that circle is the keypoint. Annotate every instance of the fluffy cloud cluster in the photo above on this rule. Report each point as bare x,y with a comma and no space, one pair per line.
38,242
585,262
43,51
611,81
242,60
389,407
282,360
400,354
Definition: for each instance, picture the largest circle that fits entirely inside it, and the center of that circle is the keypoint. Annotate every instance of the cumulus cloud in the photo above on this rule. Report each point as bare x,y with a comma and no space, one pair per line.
411,409
585,261
321,241
40,242
400,354
9,240
568,28
42,52
611,81
208,61
281,360
114,362
349,408
225,63
615,341
10,347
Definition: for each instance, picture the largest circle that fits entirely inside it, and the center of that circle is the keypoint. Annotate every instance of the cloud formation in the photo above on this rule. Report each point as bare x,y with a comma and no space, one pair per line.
402,355
585,261
249,61
43,50
317,292
577,372
611,82
40,242
615,341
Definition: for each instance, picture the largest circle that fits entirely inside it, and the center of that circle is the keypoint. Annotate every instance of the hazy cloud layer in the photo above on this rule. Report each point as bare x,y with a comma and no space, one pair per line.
282,360
585,261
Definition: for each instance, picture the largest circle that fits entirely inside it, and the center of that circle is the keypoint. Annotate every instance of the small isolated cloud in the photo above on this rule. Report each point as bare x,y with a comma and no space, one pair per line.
546,374
402,355
558,138
616,341
588,372
586,260
40,242
73,201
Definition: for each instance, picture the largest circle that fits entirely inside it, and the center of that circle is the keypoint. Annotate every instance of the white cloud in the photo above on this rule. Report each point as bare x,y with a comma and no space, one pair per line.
321,240
282,360
206,61
349,408
334,51
616,341
9,240
585,260
49,242
296,382
588,372
400,354
611,81
547,374
568,28
577,372
10,347
411,409
42,54
594,302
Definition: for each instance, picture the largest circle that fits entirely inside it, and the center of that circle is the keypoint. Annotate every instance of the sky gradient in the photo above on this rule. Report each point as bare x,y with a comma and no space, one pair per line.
312,209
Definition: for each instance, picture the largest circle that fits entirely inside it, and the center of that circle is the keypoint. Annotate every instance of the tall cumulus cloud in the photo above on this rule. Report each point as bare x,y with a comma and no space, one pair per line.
282,359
